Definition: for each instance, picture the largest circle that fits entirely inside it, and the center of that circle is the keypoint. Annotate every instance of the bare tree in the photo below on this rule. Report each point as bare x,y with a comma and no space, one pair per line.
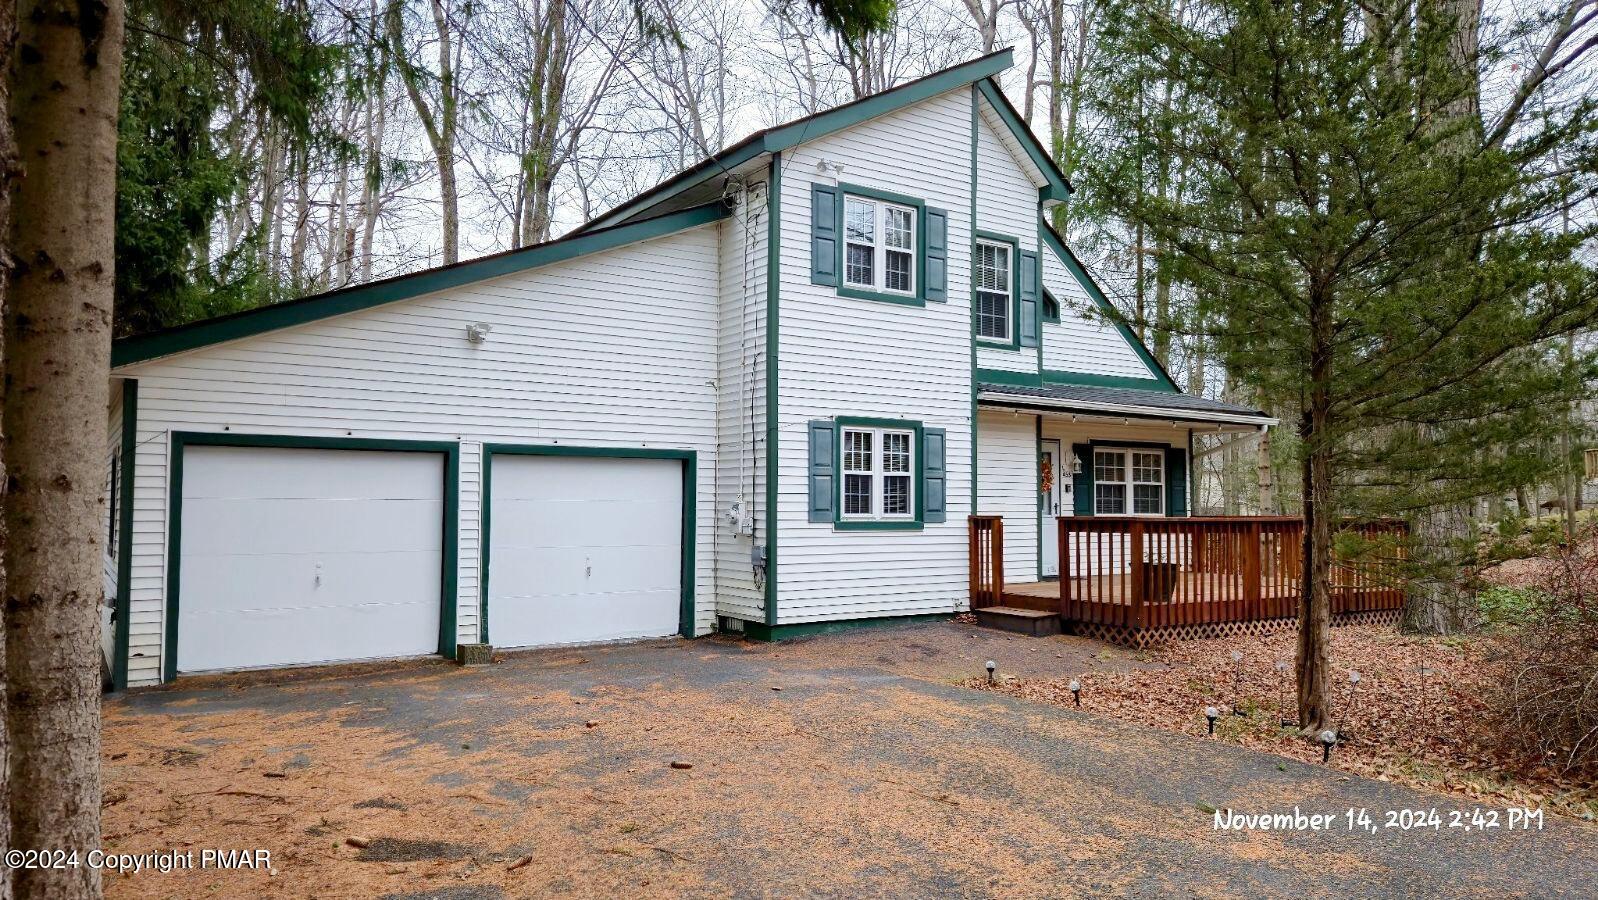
436,97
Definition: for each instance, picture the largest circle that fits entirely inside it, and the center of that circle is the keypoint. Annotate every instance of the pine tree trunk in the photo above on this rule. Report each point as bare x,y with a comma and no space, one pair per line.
8,174
1315,603
58,345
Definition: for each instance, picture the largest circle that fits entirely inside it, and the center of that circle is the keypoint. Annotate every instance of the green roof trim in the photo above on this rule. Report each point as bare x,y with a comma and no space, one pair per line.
782,137
1056,187
128,351
1162,379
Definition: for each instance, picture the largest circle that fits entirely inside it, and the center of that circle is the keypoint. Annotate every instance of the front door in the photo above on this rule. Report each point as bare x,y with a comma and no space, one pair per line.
1049,507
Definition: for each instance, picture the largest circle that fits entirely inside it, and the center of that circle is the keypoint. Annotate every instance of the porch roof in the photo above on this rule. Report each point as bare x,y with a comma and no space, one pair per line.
1120,402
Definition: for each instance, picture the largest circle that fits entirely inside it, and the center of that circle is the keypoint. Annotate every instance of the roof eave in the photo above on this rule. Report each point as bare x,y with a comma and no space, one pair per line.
817,125
1124,410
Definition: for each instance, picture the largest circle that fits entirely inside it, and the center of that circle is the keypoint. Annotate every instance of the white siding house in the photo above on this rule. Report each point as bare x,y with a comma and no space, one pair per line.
653,426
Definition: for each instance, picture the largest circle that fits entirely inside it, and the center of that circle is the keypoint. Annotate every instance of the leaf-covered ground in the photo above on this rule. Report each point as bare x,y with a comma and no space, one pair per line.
1417,715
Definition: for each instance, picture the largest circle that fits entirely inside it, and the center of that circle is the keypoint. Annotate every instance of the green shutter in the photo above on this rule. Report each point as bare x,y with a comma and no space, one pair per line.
937,255
823,234
1082,482
934,475
1029,298
1176,482
823,438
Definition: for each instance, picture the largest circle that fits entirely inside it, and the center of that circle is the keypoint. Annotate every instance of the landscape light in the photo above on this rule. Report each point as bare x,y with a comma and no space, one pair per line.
1076,691
1328,738
1212,714
991,667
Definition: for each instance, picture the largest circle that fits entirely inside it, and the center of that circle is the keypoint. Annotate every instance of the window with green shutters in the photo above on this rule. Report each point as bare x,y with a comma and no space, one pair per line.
877,474
876,245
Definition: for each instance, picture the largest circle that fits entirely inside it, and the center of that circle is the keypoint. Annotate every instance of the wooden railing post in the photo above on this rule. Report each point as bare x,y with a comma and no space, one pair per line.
1138,570
1063,539
1252,574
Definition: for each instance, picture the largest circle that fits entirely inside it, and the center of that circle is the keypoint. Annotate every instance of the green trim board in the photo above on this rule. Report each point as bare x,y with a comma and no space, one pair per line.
762,632
690,515
129,463
919,296
817,125
972,318
839,523
1064,254
181,440
142,348
1055,186
773,346
994,237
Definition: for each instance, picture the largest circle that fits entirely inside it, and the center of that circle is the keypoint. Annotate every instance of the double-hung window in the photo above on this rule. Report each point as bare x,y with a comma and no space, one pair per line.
878,474
879,246
994,290
1122,477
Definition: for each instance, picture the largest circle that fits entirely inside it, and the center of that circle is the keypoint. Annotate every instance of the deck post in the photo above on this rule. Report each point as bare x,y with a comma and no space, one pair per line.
1135,563
1252,574
1064,566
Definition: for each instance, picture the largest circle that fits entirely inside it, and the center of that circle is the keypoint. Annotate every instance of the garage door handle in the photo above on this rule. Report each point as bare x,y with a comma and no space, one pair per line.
588,568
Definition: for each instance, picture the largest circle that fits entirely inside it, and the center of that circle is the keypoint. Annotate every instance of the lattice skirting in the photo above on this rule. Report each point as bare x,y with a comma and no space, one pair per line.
1144,638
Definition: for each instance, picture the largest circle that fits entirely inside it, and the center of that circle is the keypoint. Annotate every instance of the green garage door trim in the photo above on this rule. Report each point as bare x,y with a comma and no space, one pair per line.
451,525
690,488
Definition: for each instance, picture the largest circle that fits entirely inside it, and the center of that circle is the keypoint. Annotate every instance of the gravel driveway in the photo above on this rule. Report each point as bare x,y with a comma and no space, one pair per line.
842,765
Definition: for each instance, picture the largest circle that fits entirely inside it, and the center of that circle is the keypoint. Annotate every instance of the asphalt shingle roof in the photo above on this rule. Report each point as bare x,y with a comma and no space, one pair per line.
1187,403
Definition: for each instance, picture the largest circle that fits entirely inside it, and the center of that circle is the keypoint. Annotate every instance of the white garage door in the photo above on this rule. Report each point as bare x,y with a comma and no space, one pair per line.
295,556
583,549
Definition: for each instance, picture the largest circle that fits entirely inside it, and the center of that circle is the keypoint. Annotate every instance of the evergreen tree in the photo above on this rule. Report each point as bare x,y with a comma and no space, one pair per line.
1360,253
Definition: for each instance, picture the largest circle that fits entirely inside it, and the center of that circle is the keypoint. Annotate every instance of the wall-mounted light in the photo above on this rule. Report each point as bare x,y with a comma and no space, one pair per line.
477,332
1074,467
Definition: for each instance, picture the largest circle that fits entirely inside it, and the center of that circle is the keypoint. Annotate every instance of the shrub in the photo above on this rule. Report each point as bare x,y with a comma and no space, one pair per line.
1547,699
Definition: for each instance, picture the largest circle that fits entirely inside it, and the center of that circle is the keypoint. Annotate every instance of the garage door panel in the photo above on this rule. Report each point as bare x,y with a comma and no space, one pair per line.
578,618
584,549
291,636
561,571
268,473
538,523
585,479
269,580
311,527
299,556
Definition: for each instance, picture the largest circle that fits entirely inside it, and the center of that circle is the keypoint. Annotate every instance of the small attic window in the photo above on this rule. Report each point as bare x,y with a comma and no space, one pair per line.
1051,308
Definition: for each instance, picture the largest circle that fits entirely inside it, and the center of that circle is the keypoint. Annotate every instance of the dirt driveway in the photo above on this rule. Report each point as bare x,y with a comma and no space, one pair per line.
844,765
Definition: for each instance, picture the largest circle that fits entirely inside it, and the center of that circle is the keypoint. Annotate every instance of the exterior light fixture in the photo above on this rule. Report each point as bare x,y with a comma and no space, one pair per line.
1076,691
1074,467
1328,738
1212,714
477,332
991,667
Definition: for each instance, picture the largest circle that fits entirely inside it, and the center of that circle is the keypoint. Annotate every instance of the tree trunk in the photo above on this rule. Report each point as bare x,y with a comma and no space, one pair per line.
1264,475
58,345
8,174
1315,603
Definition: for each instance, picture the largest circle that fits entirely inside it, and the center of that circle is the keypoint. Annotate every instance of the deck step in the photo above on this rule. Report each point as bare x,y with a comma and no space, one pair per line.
1035,622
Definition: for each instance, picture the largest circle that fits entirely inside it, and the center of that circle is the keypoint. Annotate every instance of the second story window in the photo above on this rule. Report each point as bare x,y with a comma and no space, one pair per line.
879,241
993,290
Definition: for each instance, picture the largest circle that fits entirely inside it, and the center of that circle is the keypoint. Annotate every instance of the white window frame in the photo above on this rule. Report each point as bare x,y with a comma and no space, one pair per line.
1129,481
877,474
879,246
1009,281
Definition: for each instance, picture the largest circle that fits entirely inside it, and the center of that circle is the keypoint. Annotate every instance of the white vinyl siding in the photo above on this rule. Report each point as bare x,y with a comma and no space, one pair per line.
1007,204
576,356
1007,485
1083,340
843,356
740,471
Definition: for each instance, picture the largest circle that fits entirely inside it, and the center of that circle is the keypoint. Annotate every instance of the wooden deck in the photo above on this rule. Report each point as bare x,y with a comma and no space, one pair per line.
1186,576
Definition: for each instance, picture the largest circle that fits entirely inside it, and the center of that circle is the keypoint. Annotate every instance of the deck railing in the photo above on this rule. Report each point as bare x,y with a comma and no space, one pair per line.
987,561
1160,573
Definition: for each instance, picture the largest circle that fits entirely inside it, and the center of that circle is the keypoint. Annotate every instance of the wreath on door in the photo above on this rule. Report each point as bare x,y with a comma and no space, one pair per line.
1045,475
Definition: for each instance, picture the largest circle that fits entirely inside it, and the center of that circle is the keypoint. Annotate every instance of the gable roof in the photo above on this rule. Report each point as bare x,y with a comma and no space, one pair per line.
165,342
979,71
1063,252
650,214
